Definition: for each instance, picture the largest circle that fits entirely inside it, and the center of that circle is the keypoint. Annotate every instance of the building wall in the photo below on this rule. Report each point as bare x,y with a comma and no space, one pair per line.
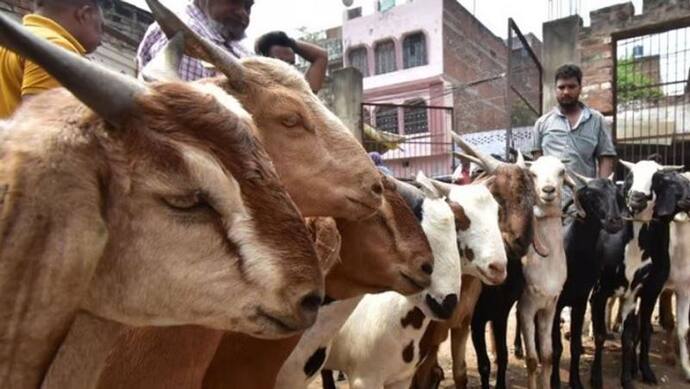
471,53
594,44
125,26
420,15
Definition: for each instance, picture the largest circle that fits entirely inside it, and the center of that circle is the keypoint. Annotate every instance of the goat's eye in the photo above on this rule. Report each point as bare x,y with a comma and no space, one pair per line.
184,202
291,120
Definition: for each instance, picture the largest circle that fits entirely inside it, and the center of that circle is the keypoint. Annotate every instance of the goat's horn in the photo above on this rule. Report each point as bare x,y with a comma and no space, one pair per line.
164,66
520,160
628,165
197,46
489,163
672,168
412,195
579,177
111,95
468,158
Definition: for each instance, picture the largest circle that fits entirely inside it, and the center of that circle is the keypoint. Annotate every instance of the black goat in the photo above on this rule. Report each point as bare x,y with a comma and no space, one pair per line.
636,265
598,205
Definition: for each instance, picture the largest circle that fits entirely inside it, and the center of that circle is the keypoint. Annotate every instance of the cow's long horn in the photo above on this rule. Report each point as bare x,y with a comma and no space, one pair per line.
111,95
197,46
490,163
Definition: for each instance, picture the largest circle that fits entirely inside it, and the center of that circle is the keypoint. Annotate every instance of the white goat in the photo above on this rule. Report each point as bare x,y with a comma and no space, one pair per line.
438,300
379,345
544,276
679,282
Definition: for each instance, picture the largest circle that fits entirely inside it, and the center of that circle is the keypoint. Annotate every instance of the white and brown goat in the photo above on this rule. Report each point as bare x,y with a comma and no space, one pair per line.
380,344
544,275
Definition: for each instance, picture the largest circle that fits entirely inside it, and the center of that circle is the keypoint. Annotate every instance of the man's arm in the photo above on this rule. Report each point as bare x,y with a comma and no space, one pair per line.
607,163
318,57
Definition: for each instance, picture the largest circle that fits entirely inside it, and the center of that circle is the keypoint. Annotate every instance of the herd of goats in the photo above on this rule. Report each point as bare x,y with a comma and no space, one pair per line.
231,233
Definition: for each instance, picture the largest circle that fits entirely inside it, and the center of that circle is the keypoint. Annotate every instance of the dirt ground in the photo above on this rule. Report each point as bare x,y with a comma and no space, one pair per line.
670,377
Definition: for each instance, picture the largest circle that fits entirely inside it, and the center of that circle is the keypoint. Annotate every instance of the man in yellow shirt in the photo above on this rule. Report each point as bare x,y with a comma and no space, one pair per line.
75,25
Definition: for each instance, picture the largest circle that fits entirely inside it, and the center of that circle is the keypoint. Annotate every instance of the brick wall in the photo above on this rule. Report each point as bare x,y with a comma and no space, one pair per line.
595,43
470,53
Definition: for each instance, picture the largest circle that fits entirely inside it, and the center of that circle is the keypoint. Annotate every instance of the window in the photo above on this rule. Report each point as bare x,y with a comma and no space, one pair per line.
387,119
358,60
416,120
385,57
414,50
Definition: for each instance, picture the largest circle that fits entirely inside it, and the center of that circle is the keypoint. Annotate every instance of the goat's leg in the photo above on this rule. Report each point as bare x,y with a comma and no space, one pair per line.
647,303
458,339
517,343
526,313
479,342
429,374
557,349
598,305
500,327
576,328
668,324
364,383
327,381
403,384
683,326
544,324
628,342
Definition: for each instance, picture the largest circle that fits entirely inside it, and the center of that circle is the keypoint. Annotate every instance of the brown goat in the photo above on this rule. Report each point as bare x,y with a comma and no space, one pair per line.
159,208
385,243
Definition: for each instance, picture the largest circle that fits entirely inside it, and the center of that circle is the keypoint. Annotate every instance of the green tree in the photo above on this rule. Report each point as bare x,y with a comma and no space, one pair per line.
632,84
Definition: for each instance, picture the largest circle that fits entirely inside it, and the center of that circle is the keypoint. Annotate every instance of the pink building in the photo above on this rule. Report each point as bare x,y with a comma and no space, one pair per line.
420,53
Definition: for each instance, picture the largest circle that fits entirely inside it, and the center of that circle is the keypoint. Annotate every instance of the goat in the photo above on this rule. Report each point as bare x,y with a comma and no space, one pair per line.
379,345
373,251
125,207
513,189
544,276
598,204
679,283
636,264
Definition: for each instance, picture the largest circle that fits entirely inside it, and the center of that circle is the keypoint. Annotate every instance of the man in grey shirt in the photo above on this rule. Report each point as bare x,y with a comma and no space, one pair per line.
574,132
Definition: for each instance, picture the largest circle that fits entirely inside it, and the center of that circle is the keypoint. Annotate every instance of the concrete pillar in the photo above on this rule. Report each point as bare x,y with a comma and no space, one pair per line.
560,47
347,99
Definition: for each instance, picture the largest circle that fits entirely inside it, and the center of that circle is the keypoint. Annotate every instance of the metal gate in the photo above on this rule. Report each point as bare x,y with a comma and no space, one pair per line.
650,92
410,138
524,85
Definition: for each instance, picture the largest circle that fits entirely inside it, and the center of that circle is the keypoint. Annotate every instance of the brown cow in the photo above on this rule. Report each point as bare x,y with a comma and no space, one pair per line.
382,244
131,211
513,188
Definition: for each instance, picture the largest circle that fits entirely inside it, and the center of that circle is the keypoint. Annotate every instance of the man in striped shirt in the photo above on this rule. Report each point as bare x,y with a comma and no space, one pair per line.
222,21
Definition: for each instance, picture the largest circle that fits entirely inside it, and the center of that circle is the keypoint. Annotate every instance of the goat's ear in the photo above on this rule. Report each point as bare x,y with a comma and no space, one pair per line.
520,160
462,222
578,207
52,236
164,66
428,187
569,181
327,240
628,165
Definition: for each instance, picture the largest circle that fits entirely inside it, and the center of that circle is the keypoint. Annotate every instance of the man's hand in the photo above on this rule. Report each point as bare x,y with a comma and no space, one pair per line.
606,165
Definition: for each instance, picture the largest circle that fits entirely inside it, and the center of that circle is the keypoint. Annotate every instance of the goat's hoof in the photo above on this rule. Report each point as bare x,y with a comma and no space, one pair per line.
574,385
670,359
596,383
648,377
628,385
610,336
461,382
519,354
